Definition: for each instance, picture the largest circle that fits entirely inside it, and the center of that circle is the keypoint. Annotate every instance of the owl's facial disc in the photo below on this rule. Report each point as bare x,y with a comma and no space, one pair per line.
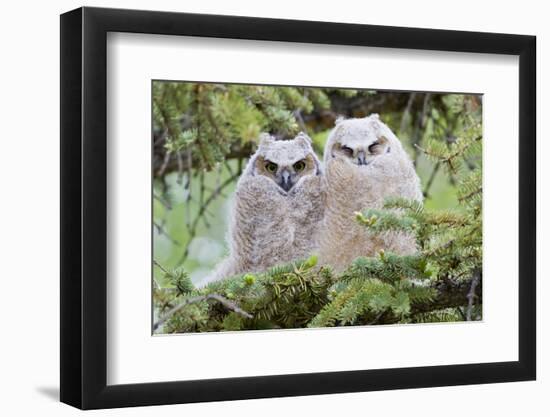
286,174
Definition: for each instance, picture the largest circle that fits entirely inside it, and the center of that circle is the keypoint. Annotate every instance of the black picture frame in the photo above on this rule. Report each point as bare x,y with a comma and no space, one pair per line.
84,207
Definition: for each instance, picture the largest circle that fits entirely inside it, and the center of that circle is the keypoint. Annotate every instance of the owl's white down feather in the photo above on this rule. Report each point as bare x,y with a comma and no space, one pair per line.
351,188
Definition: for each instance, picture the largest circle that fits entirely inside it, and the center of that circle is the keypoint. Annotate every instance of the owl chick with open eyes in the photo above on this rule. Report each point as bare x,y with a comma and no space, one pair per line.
364,164
278,207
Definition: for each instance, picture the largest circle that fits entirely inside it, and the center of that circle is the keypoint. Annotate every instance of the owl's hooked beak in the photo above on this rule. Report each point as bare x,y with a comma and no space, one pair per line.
285,180
361,158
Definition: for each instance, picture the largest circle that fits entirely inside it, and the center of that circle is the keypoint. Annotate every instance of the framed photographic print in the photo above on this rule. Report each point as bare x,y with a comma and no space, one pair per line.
258,208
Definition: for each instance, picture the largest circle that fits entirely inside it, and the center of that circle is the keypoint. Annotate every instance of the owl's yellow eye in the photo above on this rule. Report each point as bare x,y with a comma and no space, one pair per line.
271,167
299,166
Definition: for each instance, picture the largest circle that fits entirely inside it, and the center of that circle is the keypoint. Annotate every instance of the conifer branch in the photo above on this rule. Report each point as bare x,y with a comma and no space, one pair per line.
202,209
159,265
473,193
216,297
170,164
431,179
162,201
407,111
448,294
451,293
162,231
472,294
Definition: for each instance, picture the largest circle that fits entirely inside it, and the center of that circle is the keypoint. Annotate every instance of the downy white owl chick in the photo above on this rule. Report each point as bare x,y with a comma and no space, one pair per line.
277,209
364,164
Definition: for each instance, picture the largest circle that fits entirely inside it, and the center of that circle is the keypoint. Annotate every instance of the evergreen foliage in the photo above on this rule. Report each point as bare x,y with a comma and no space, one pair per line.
201,125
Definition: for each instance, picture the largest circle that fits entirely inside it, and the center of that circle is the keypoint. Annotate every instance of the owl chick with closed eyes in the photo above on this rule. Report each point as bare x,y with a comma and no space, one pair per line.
278,207
364,165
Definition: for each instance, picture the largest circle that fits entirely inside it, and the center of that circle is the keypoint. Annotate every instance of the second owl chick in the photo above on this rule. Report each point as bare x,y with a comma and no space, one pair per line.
278,207
364,164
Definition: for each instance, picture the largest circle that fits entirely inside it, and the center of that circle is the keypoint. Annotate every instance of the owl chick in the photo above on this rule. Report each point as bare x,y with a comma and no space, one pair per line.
277,209
364,164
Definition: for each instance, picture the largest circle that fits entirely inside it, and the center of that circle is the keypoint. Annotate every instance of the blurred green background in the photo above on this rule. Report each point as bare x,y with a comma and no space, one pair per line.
204,133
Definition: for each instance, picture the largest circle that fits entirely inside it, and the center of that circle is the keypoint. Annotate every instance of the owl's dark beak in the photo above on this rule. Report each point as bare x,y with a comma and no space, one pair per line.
286,181
361,158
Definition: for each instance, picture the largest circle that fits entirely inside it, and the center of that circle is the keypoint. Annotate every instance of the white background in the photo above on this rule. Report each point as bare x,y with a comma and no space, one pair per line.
29,178
135,357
